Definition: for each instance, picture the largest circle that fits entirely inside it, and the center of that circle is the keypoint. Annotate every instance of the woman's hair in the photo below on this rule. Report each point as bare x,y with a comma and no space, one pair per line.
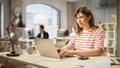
86,11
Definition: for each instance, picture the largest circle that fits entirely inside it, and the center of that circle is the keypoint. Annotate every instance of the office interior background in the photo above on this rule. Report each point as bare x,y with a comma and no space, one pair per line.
58,16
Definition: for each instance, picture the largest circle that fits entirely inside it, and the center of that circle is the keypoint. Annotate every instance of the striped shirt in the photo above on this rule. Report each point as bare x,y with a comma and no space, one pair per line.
94,38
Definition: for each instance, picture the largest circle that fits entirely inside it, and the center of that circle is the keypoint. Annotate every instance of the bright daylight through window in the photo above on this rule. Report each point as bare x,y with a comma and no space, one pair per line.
37,14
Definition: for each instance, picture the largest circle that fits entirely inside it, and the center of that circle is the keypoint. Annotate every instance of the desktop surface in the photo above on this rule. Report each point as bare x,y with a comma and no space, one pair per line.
47,62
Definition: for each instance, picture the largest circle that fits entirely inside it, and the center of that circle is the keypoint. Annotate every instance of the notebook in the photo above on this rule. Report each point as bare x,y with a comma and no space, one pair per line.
46,47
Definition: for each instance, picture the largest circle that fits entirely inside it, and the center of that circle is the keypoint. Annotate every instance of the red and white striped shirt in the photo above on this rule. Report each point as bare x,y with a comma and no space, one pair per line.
94,38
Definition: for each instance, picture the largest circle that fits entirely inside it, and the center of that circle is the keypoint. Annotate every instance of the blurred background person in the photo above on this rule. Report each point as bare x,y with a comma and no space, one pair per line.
43,34
73,32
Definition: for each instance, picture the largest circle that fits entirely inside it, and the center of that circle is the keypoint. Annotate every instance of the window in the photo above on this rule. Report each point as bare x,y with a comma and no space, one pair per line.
37,14
1,20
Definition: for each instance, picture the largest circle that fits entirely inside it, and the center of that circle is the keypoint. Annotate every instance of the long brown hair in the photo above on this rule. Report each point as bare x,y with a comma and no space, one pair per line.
86,11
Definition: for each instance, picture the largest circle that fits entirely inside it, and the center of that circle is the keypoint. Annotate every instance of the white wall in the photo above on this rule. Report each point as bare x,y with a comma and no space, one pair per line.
59,4
100,14
80,3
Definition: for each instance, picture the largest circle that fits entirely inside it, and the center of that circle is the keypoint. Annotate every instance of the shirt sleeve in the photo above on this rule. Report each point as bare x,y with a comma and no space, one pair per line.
99,38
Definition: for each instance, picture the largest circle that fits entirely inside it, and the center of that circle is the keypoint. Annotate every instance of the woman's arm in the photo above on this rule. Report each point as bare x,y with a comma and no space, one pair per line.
90,52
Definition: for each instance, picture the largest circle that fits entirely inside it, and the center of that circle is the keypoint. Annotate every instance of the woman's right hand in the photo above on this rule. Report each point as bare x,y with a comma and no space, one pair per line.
63,52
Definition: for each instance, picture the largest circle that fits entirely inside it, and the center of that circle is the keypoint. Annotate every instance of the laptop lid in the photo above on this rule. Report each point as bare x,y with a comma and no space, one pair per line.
46,47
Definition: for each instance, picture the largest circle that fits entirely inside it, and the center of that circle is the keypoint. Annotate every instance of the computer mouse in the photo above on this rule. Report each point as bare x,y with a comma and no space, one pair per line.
83,57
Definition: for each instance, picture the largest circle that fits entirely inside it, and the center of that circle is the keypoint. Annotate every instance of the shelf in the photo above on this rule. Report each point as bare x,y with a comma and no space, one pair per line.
110,37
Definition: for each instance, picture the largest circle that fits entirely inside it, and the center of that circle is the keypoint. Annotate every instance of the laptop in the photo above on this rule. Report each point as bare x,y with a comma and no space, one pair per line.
46,47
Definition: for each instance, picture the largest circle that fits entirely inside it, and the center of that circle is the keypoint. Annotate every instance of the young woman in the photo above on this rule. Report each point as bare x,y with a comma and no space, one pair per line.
89,38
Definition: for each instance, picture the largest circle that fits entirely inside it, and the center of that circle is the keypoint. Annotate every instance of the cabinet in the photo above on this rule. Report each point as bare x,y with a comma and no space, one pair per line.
110,37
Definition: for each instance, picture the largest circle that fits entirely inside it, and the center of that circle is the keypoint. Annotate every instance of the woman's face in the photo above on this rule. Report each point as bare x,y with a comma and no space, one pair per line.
82,20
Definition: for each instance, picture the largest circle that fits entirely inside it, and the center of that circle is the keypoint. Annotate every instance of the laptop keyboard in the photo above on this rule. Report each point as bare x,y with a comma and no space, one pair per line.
118,60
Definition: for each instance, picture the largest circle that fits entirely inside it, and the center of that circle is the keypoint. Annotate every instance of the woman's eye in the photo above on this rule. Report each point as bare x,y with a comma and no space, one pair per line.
82,17
77,18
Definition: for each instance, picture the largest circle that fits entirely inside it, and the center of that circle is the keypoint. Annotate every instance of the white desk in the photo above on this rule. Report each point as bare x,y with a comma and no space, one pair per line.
25,42
46,62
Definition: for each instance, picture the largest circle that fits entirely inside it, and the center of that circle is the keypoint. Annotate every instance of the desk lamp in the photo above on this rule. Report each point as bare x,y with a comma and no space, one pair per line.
20,24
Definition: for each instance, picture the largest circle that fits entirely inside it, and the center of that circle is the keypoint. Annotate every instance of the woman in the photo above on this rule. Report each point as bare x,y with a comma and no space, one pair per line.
89,38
